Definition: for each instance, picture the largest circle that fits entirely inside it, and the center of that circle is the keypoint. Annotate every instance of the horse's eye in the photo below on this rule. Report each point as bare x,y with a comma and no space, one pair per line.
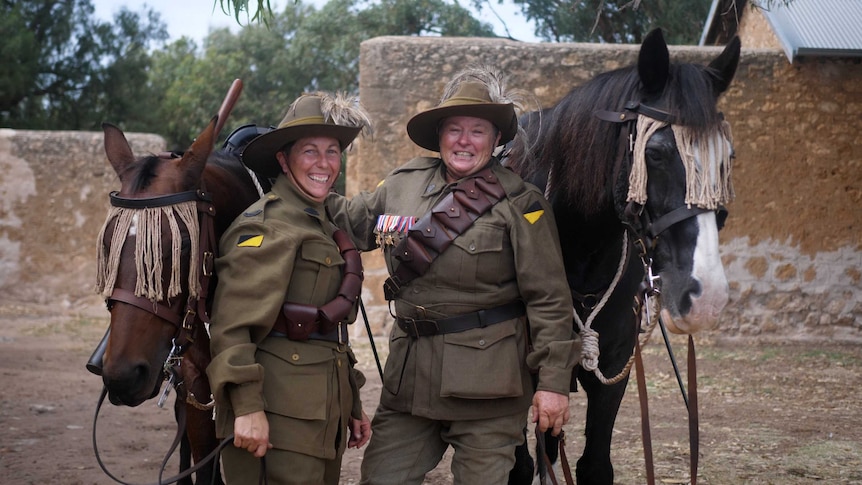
721,217
185,244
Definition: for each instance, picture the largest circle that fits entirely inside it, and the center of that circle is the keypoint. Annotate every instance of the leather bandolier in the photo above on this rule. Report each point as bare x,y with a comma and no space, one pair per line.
431,235
299,321
435,231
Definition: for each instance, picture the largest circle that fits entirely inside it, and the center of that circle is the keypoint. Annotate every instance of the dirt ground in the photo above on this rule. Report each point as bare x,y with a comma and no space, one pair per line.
770,412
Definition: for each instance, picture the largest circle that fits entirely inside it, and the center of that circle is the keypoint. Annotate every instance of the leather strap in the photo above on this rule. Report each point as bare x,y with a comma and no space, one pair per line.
644,406
460,323
300,321
156,308
339,335
434,232
693,421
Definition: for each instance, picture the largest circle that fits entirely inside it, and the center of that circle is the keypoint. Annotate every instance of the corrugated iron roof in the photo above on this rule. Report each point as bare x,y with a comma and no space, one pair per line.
817,27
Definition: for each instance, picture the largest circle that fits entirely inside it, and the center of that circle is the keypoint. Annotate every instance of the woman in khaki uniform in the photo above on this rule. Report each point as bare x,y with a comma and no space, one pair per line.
477,316
282,369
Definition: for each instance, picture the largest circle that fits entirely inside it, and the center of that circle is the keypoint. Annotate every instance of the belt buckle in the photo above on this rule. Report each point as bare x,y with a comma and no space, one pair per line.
410,327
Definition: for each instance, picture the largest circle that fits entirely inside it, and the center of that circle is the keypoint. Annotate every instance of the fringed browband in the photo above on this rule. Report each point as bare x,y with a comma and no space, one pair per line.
706,158
146,225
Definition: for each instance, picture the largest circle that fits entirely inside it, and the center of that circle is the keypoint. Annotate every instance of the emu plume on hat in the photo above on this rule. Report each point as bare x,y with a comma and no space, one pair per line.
469,98
320,114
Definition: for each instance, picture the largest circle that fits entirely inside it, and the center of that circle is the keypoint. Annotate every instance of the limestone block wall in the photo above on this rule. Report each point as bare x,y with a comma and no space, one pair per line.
792,246
54,189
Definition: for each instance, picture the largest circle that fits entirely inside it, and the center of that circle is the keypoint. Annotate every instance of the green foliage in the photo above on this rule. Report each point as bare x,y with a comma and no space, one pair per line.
616,21
296,50
71,71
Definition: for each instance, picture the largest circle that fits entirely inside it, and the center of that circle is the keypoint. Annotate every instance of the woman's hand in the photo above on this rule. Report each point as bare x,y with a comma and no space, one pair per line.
251,433
360,431
550,411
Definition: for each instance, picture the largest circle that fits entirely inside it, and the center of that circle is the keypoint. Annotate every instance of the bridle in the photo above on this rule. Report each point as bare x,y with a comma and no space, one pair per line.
189,319
642,233
638,222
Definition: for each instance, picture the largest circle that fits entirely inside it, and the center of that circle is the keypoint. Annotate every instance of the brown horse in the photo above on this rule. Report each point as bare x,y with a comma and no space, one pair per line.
156,255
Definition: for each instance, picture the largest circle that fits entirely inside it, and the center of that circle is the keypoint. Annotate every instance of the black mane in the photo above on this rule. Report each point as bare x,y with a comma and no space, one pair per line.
583,152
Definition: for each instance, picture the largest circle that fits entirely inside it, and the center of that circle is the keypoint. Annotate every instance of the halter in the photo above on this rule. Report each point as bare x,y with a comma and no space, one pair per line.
195,309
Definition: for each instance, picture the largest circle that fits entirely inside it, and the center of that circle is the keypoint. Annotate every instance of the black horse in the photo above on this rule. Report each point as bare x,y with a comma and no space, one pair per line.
636,159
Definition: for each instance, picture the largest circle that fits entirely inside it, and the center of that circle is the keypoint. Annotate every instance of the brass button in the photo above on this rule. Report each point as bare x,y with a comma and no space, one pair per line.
472,247
482,342
328,260
294,357
338,363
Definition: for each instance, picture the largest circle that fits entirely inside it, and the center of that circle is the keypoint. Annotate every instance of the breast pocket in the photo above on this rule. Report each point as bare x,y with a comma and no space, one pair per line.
318,269
296,380
484,257
482,363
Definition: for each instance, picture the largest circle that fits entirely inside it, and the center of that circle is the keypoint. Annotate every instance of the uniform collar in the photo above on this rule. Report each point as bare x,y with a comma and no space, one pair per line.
285,189
437,181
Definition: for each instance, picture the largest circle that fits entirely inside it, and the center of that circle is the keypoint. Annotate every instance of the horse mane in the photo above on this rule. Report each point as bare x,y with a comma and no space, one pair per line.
580,155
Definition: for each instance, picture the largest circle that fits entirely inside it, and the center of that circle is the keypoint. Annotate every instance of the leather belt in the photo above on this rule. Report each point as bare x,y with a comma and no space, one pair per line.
339,335
459,323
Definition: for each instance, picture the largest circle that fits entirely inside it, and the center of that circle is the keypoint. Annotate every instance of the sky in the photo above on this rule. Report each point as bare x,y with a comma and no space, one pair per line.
194,18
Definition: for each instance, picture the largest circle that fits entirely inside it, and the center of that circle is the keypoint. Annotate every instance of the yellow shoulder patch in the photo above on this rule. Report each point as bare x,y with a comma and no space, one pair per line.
534,212
250,241
534,216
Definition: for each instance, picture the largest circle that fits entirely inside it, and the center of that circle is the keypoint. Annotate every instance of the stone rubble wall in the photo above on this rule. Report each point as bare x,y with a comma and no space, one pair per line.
54,188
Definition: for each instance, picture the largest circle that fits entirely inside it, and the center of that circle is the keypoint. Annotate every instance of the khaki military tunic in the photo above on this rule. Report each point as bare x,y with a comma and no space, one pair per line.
510,253
281,249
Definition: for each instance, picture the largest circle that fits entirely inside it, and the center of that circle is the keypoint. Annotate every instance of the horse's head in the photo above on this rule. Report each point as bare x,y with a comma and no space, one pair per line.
679,179
644,144
148,261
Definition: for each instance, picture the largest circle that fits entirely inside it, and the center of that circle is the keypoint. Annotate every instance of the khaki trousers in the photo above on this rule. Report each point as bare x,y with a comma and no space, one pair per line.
282,468
404,448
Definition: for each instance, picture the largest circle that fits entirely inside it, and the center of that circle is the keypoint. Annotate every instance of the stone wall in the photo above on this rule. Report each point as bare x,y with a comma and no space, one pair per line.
53,200
792,246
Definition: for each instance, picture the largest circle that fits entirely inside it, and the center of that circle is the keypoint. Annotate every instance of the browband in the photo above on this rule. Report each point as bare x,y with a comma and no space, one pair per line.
160,201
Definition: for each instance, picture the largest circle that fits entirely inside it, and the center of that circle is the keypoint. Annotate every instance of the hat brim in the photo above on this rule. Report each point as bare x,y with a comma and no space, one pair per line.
260,153
423,128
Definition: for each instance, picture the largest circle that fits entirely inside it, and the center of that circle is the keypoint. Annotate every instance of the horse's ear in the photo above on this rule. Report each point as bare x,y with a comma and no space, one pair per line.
724,66
195,158
654,63
117,148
